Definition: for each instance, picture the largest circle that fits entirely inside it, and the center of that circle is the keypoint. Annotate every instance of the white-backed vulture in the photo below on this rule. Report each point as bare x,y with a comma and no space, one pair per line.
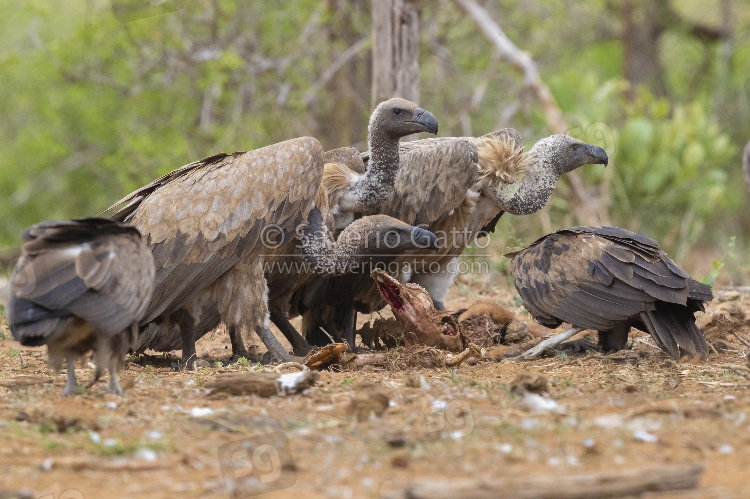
81,285
456,187
209,223
610,279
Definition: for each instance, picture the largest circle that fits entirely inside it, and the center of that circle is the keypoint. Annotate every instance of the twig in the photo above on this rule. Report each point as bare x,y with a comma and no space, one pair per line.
743,371
326,333
743,340
331,70
535,352
646,342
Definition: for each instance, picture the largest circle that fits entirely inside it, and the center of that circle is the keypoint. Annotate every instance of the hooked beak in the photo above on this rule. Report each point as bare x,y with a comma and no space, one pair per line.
598,155
426,119
422,238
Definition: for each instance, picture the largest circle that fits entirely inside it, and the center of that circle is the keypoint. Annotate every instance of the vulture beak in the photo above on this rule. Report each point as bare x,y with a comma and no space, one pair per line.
598,154
422,238
426,119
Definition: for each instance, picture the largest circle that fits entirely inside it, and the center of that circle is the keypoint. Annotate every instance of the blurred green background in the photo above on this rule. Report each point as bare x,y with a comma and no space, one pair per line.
99,98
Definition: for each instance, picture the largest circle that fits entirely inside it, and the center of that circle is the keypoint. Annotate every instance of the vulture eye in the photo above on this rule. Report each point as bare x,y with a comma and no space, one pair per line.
575,146
396,112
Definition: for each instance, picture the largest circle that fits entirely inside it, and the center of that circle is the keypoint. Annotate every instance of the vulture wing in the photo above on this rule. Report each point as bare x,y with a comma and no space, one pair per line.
203,218
595,277
95,269
433,179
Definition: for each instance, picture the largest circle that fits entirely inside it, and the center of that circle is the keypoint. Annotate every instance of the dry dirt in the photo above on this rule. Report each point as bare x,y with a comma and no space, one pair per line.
632,410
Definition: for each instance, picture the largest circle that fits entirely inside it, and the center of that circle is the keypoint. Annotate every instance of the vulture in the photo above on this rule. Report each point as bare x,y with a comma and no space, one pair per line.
456,187
81,285
212,225
610,279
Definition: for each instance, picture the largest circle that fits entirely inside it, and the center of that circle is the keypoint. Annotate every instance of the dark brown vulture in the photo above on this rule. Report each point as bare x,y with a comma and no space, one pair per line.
610,279
213,224
81,285
456,187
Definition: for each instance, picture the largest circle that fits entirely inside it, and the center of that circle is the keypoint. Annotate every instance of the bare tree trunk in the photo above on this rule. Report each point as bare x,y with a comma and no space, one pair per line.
395,50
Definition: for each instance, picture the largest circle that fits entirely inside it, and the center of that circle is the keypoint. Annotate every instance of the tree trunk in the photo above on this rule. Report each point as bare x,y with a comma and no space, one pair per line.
395,50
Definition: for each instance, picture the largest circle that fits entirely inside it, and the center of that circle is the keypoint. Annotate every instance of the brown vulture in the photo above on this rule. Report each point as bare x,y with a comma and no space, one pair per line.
213,224
456,187
81,285
610,279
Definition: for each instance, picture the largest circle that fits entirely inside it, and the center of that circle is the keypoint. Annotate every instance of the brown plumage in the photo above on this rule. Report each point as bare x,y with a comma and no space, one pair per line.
81,285
610,279
457,187
213,224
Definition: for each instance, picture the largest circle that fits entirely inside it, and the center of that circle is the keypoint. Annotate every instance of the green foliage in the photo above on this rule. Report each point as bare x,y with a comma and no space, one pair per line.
719,264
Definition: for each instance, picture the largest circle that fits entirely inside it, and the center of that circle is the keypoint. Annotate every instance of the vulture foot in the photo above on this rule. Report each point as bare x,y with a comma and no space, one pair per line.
277,351
439,305
581,345
71,385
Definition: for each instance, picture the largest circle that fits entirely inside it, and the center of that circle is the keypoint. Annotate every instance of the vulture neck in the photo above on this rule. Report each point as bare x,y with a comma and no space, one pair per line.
532,190
326,256
377,184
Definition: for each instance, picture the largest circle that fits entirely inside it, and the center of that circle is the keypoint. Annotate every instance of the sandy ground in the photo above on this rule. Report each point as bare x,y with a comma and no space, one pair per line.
633,410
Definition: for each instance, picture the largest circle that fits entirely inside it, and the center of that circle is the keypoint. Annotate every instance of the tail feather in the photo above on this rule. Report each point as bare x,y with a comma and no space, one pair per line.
673,326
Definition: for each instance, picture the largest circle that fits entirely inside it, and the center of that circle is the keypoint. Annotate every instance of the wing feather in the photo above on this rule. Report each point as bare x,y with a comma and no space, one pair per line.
203,218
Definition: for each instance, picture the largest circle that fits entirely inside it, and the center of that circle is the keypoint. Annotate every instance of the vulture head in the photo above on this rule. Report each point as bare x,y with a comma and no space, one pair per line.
383,235
565,154
359,242
547,160
396,118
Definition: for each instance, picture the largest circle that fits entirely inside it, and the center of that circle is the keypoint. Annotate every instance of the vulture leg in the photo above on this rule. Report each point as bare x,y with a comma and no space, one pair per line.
299,345
438,305
275,348
187,324
581,345
71,385
615,339
114,383
348,321
238,346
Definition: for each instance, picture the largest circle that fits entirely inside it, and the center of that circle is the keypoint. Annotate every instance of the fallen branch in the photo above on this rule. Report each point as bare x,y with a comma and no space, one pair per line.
263,384
535,352
545,486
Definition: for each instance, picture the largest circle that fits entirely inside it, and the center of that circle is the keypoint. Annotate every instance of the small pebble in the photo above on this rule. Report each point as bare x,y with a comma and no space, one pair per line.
726,449
145,454
112,405
109,442
644,436
94,436
154,435
506,448
47,464
199,412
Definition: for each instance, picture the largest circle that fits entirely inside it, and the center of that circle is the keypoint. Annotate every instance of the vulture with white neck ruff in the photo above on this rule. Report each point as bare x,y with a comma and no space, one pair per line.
455,187
213,225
